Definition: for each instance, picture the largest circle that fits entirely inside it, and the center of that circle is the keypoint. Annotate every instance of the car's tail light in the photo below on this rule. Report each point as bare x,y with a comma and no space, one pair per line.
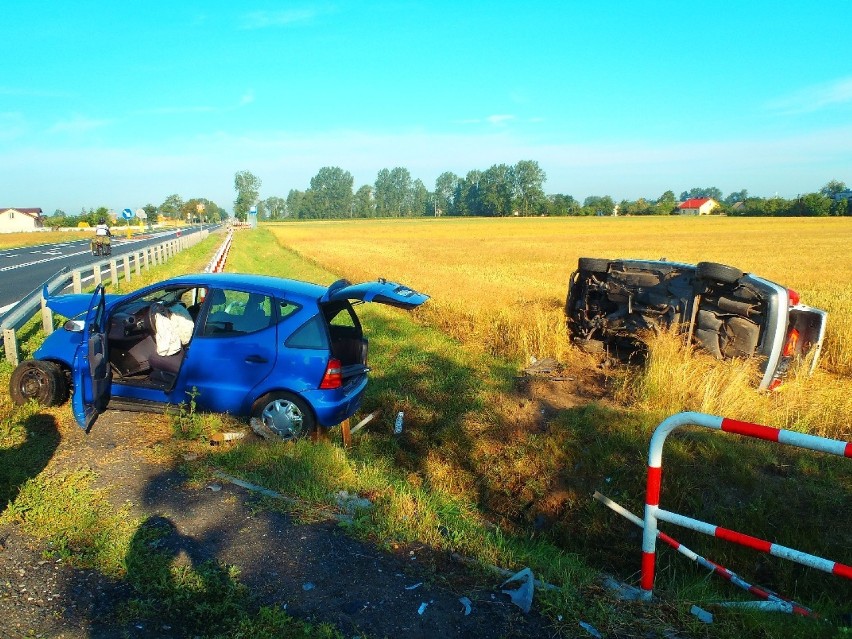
793,296
333,377
792,342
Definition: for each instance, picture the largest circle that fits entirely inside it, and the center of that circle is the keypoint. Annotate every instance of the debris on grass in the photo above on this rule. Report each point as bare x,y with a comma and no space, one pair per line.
350,503
365,421
547,368
591,630
217,439
467,605
422,608
414,586
522,596
702,615
262,429
624,592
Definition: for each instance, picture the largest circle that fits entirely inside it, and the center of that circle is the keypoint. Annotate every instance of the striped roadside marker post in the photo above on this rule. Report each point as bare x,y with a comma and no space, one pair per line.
653,512
786,605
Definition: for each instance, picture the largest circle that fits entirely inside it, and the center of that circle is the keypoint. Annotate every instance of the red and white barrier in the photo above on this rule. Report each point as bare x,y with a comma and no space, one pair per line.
653,512
783,604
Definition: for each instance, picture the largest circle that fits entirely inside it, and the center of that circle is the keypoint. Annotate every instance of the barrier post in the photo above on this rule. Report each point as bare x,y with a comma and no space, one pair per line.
653,512
46,318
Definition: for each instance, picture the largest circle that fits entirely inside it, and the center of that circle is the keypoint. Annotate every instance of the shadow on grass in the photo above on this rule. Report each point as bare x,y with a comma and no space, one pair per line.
22,462
177,587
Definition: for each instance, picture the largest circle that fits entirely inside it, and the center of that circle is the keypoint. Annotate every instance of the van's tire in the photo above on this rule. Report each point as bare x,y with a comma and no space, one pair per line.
717,272
593,264
42,381
285,414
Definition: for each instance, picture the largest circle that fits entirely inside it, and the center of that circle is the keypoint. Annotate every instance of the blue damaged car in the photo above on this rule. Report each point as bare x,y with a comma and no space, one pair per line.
290,353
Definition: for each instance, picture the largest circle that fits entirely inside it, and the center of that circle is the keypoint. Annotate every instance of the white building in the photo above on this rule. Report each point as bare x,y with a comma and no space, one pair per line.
18,220
697,206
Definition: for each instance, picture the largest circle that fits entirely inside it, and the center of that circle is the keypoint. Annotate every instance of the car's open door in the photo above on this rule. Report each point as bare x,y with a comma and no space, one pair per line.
380,291
92,375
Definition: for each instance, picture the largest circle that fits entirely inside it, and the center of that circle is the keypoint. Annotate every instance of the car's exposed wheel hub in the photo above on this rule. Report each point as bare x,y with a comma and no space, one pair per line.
32,384
284,418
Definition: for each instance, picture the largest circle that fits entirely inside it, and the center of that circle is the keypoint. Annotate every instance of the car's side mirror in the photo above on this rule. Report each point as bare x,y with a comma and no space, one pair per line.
75,326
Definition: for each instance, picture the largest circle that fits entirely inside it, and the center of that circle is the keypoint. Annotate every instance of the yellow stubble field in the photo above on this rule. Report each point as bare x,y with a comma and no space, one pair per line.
500,284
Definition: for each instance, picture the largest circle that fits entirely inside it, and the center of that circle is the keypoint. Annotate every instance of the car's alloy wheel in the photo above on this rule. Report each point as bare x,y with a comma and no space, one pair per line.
42,381
286,415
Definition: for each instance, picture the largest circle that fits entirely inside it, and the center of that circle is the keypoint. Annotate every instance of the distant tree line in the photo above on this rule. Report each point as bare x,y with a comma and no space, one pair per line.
173,207
499,191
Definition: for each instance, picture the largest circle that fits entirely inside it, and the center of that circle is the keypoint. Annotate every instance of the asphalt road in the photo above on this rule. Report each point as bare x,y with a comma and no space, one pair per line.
24,269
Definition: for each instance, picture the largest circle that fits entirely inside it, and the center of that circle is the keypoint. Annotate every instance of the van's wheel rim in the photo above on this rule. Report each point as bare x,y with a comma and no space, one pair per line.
284,418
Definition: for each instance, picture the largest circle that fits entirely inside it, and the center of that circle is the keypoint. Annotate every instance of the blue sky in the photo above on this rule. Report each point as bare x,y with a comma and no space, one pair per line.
122,104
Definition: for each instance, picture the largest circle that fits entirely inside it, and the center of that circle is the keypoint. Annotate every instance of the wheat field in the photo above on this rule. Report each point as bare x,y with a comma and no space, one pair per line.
500,285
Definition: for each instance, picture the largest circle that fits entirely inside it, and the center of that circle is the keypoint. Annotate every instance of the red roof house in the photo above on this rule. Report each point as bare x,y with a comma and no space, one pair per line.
697,206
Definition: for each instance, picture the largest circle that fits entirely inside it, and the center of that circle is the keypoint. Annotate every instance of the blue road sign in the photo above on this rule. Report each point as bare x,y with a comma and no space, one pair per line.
127,214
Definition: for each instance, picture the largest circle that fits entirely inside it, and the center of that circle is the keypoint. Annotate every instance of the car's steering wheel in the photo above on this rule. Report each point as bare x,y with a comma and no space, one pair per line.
153,310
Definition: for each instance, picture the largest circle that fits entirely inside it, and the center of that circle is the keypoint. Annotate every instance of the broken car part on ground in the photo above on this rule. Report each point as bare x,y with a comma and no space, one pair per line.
725,311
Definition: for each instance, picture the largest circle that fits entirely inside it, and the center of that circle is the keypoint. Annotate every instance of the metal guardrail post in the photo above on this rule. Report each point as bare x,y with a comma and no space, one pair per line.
126,263
77,282
10,346
113,272
46,318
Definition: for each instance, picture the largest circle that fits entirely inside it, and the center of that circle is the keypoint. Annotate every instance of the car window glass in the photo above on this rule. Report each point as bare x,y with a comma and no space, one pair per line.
343,317
237,313
311,334
286,309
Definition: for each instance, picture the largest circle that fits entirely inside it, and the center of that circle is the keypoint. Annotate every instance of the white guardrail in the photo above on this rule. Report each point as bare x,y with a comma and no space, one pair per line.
133,262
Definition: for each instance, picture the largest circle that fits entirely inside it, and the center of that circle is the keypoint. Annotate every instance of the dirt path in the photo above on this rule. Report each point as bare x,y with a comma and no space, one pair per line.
315,570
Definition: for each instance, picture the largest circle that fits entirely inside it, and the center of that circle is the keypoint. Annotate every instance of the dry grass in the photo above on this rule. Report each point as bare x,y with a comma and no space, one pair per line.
501,284
15,240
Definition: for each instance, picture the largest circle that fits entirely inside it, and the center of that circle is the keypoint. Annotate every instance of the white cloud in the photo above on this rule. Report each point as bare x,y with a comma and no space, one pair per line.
494,120
246,99
79,124
500,119
286,17
815,98
175,110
